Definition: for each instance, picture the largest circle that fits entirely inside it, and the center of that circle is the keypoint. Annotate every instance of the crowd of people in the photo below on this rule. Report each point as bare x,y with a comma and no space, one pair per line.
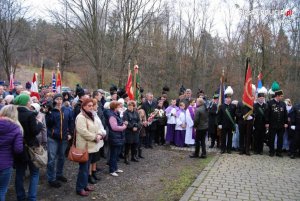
117,128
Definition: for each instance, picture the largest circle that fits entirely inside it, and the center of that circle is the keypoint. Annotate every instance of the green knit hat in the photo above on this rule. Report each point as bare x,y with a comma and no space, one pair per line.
21,100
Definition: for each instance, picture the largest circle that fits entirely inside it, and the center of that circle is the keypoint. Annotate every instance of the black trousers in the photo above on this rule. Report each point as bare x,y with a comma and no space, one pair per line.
226,134
160,135
150,133
200,139
259,136
130,147
213,134
295,141
245,129
273,132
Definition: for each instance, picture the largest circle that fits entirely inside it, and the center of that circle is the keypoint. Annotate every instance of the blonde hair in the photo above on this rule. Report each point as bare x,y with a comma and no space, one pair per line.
10,112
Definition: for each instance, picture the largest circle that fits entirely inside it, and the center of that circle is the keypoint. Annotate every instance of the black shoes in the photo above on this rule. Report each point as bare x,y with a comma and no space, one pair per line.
91,180
94,175
62,179
140,156
292,156
54,184
271,154
194,156
203,156
279,154
126,161
134,159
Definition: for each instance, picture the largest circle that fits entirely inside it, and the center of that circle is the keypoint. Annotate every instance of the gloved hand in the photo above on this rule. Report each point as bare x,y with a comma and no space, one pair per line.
293,127
220,126
249,117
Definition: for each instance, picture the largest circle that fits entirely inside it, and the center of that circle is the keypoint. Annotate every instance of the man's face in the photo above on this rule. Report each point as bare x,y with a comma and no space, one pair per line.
98,96
19,88
114,96
261,99
280,97
59,101
188,94
150,97
228,100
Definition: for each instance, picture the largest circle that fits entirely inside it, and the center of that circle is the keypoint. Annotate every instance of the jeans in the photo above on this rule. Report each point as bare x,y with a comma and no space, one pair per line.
4,182
33,185
83,174
56,151
114,154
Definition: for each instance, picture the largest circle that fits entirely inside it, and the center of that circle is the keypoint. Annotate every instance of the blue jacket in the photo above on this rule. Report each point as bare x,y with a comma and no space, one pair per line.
115,138
11,142
60,123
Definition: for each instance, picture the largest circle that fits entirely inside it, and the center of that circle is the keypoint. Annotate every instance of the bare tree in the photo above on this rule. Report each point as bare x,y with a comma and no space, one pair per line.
134,16
11,17
85,18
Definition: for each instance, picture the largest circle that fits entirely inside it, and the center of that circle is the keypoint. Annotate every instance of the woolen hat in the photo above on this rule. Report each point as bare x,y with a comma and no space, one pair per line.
22,99
57,96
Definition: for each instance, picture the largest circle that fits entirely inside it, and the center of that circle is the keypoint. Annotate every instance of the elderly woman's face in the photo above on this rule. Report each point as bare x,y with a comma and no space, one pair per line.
88,107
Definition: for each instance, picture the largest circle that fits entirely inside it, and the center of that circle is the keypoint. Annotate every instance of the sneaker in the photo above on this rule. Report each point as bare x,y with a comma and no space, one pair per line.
62,179
55,184
119,171
114,174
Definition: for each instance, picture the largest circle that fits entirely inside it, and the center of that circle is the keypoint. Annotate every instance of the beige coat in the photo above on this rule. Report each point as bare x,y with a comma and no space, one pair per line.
86,132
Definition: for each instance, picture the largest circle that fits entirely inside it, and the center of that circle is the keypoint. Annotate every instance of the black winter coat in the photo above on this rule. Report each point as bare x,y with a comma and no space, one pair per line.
31,128
133,119
259,114
223,118
276,114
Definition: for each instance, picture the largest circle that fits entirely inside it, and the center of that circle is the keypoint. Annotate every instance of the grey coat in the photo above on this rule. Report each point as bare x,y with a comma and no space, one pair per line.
201,118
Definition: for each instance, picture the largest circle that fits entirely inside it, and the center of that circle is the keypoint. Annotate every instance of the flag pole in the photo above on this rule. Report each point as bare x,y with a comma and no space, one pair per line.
134,80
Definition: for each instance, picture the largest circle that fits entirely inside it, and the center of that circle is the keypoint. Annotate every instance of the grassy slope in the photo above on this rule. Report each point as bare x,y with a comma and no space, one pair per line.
175,188
25,74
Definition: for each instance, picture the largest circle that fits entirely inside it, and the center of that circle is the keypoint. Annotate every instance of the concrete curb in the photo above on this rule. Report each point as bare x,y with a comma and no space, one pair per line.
190,191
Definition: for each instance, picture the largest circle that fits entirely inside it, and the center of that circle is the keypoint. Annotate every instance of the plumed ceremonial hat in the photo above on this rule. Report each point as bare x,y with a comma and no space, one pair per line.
228,92
276,88
262,92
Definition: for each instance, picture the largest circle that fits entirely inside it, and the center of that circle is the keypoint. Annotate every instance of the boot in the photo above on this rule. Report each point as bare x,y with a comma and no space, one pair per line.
91,180
126,161
140,153
134,159
94,175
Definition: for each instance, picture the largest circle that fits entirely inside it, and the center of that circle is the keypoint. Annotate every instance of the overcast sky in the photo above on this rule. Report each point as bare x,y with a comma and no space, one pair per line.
38,9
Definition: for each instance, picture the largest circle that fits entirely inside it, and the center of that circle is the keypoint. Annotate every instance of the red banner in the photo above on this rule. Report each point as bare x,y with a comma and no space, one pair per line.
128,87
248,97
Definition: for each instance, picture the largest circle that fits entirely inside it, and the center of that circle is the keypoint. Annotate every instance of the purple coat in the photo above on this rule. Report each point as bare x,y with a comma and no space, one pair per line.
11,142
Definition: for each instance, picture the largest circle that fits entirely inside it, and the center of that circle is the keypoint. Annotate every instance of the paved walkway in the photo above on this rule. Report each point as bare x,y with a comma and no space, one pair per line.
235,177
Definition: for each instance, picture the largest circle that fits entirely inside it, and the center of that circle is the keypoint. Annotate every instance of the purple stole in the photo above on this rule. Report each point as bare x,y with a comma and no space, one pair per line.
192,113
